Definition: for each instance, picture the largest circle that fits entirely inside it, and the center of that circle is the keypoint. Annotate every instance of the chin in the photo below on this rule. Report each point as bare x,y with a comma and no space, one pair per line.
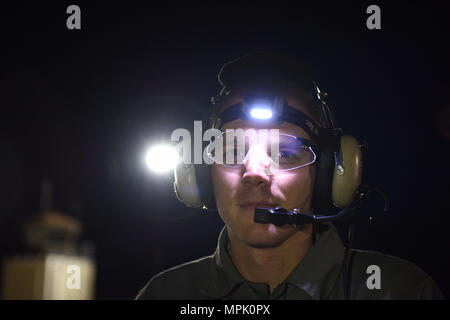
266,235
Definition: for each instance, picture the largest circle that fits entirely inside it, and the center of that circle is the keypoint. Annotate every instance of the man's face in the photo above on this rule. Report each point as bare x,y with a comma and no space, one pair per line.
239,191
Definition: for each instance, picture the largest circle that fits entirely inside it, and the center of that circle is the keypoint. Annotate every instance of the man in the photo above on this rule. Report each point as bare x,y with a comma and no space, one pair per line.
267,259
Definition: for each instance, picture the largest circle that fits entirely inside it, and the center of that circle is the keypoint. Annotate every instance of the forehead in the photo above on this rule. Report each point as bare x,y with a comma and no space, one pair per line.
284,127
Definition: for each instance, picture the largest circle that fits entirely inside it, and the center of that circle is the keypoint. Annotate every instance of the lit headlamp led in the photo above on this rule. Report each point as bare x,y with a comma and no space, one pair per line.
270,109
262,108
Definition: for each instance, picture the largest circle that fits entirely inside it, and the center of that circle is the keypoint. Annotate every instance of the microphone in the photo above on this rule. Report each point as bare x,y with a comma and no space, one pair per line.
281,216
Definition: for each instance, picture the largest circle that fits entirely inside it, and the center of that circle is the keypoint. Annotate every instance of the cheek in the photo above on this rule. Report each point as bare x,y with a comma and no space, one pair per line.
296,188
224,185
218,181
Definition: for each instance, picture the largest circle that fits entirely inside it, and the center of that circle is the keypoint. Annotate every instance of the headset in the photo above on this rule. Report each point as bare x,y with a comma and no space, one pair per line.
338,165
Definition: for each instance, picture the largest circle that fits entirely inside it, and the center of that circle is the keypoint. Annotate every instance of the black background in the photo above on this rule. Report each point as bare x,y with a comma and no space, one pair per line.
81,106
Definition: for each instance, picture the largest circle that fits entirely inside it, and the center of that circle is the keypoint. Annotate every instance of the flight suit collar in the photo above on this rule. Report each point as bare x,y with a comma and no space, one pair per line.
320,268
315,275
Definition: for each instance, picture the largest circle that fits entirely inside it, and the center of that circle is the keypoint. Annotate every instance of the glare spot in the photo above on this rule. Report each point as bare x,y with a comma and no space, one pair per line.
260,113
161,159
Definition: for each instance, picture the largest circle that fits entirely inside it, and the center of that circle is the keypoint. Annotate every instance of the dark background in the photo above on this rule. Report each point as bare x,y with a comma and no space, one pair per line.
80,108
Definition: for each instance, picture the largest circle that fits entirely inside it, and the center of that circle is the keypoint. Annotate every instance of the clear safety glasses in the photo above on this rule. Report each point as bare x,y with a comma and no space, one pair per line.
275,151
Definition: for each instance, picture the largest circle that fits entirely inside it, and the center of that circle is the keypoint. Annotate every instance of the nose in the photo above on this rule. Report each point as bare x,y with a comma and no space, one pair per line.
256,168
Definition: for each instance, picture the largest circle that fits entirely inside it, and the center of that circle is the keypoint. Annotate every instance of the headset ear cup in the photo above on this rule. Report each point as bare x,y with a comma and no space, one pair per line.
344,186
322,202
185,185
205,186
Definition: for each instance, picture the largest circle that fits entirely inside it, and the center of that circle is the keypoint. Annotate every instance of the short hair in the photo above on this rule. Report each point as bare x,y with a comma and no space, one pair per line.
267,72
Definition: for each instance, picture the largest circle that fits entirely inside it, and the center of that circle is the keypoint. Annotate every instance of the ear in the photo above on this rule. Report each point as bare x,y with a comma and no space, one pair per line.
185,185
345,185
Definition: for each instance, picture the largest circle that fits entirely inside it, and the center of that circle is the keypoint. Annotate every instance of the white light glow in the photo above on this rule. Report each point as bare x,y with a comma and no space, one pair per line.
261,113
161,158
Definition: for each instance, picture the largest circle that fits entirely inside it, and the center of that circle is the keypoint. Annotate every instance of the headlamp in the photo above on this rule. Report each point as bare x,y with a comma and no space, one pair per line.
269,109
261,113
262,108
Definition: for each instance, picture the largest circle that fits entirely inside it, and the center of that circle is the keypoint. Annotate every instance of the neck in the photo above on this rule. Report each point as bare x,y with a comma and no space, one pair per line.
270,265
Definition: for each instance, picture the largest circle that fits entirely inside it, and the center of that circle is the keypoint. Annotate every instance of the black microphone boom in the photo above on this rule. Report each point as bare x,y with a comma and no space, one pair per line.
280,216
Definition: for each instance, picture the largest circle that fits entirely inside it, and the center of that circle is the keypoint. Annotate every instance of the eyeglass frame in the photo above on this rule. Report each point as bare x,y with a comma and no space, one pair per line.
310,144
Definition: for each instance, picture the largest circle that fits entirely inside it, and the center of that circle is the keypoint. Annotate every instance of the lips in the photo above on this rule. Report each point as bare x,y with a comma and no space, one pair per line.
258,204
